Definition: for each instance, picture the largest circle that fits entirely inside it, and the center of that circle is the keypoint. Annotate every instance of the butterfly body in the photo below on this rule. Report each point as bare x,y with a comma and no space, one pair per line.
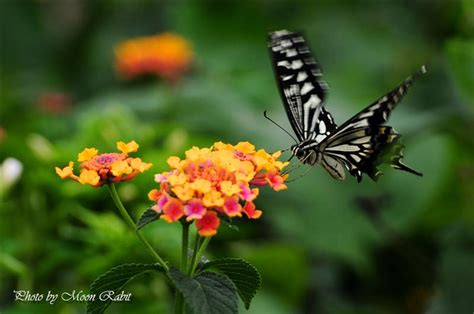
361,143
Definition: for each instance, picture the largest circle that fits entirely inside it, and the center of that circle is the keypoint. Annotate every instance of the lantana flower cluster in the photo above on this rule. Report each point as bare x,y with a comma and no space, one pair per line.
99,169
221,181
166,55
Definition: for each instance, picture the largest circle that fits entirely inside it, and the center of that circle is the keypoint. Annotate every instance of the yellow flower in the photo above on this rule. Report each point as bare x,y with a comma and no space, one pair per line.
89,177
201,186
138,164
66,172
196,153
98,170
173,162
216,181
222,146
229,189
87,154
126,148
177,179
183,192
246,171
213,199
245,147
120,168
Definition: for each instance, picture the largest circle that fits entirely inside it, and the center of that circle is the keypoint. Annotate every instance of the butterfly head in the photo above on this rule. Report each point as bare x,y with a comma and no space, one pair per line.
298,151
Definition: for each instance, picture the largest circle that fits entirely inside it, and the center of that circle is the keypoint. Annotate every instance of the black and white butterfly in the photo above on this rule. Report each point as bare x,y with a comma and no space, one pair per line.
361,143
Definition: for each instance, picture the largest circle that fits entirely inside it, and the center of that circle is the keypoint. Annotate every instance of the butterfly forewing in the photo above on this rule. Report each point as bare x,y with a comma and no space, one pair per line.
301,85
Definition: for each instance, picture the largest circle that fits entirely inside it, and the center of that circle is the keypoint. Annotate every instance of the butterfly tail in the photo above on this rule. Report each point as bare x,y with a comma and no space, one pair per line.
396,159
396,163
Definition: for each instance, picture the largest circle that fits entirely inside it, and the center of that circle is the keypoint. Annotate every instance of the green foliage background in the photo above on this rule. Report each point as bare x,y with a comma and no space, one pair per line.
402,245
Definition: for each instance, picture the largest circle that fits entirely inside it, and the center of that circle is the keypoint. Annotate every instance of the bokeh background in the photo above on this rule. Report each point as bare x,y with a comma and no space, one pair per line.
402,245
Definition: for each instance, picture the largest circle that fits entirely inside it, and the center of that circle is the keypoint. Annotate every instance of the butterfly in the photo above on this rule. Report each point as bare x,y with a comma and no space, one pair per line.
361,143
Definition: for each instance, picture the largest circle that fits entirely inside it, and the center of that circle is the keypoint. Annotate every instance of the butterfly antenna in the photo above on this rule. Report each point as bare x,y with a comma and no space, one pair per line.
300,176
269,119
292,168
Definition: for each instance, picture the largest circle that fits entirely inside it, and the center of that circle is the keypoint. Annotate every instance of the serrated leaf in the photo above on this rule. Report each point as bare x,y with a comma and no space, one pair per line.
244,275
148,216
207,293
114,280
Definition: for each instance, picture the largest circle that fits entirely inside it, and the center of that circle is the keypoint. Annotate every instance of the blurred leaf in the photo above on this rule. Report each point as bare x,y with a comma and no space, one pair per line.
460,53
454,292
284,269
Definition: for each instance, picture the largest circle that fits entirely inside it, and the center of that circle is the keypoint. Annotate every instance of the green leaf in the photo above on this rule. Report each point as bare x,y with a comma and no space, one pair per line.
244,275
114,280
207,293
148,216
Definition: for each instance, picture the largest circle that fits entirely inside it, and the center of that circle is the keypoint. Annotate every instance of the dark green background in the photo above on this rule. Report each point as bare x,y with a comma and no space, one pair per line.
402,245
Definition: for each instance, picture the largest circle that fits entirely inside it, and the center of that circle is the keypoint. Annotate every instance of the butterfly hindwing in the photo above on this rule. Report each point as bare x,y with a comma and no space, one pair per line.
301,85
363,142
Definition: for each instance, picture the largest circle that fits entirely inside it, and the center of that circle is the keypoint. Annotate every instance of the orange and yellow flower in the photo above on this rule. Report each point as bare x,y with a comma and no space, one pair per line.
99,169
216,181
166,55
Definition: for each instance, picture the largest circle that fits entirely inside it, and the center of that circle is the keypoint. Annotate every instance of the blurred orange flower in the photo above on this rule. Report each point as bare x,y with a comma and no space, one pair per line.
216,181
97,170
166,55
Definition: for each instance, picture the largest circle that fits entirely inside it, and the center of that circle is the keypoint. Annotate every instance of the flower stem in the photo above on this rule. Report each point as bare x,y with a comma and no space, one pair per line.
179,304
184,247
201,251
197,240
131,224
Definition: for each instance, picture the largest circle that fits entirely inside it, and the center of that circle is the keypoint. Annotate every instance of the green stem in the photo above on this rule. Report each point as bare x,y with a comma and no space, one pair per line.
201,251
179,304
131,224
184,247
195,250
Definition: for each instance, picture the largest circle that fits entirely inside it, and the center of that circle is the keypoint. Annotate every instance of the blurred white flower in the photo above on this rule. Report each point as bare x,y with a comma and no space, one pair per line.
10,172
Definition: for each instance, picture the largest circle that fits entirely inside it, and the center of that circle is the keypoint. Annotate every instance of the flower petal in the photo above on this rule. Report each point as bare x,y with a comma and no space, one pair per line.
194,209
207,226
173,162
232,207
250,211
229,189
87,154
183,192
126,148
89,177
120,168
213,199
66,172
139,165
154,195
201,186
172,211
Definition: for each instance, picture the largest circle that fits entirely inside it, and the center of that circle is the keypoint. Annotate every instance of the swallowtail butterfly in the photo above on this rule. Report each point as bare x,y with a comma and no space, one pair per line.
361,143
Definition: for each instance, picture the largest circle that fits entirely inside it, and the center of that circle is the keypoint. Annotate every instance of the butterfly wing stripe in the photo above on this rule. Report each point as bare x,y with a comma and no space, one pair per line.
334,167
301,85
379,111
